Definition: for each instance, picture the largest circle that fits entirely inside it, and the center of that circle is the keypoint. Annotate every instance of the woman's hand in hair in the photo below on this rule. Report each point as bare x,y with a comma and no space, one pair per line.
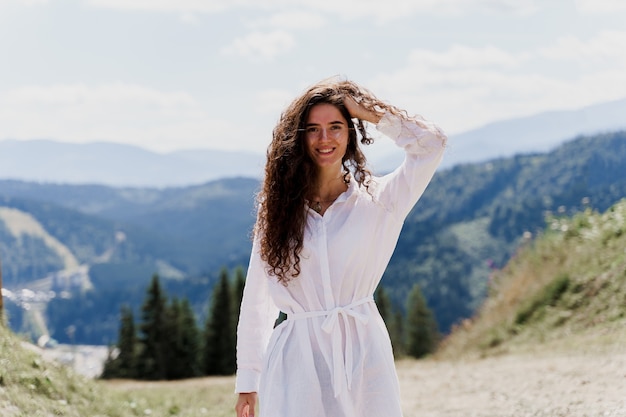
357,111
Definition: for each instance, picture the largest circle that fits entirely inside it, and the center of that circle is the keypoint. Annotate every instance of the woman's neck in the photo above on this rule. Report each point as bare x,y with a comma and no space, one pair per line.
329,187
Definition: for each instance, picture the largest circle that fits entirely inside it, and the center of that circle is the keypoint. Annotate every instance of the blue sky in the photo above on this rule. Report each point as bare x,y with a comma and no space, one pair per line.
184,74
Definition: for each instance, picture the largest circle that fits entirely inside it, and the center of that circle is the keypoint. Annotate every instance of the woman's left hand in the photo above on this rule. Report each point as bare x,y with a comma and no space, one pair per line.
357,111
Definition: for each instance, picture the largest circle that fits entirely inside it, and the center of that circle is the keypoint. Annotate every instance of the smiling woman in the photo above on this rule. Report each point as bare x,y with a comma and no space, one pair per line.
325,231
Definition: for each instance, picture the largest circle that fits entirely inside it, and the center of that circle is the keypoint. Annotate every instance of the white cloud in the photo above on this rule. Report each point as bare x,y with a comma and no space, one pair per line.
125,113
467,57
272,102
516,7
600,6
263,46
349,9
81,94
604,50
464,88
176,6
26,3
290,20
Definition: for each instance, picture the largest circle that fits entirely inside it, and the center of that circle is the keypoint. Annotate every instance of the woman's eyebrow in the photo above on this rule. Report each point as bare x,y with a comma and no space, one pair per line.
335,122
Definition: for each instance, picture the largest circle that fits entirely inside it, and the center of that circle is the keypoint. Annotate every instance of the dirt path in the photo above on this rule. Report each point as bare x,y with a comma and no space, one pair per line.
579,385
589,384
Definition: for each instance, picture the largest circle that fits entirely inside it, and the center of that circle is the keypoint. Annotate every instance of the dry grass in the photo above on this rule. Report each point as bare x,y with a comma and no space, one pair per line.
568,284
31,386
211,397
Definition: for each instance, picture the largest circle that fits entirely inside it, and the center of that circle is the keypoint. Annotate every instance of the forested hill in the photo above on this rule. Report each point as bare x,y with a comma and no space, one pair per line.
473,217
470,220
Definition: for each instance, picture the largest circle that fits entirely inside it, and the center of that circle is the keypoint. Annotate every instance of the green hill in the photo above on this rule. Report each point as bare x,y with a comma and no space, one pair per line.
473,217
566,289
33,386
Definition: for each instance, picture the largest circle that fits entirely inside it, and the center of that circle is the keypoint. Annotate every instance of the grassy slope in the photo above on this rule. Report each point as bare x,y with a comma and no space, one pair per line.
565,290
31,387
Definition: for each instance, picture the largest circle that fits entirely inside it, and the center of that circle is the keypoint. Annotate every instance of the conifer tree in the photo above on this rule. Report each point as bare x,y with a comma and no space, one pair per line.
219,335
421,327
238,284
190,340
383,303
173,349
152,358
392,318
124,365
397,334
127,344
182,341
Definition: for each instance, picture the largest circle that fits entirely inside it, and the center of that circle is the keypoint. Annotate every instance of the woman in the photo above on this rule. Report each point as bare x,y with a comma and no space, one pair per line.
325,231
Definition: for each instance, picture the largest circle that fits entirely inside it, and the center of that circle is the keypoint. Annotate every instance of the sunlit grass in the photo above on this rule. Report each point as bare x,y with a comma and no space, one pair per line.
212,397
31,386
568,284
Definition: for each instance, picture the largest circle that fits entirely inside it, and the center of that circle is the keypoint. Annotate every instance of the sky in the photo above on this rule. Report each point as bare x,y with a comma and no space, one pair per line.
169,75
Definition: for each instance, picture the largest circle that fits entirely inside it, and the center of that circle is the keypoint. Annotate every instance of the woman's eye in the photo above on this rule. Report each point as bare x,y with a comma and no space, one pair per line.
312,129
335,128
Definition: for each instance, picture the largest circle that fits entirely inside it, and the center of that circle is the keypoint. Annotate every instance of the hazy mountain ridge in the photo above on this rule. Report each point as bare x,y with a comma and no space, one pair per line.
542,132
121,165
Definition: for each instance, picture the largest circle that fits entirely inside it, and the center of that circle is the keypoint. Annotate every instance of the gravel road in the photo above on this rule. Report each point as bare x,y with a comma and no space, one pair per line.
540,385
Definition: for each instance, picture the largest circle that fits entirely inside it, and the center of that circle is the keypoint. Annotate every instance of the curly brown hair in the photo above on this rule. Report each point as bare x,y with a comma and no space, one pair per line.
290,172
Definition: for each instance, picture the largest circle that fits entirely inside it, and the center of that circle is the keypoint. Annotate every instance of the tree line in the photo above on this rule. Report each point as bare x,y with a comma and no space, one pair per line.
167,343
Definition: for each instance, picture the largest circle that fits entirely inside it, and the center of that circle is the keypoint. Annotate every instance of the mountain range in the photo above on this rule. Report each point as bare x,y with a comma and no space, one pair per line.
125,166
84,250
121,165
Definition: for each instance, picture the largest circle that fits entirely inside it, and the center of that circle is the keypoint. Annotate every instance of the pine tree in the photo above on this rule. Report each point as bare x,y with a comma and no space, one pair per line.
421,327
183,341
152,358
392,318
173,351
219,335
397,334
127,344
190,341
124,365
237,289
383,303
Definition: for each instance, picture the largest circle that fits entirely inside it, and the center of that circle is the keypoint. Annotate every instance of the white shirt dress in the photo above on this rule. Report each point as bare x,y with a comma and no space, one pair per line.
332,357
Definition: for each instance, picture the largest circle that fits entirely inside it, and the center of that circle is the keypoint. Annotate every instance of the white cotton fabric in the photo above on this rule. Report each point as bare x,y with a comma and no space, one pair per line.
332,357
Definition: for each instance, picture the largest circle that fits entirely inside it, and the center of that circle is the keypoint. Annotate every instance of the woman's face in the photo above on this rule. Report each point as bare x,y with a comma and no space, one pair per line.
326,134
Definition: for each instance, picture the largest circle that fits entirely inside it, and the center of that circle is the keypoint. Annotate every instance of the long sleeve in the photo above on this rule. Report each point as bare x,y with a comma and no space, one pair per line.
257,316
424,144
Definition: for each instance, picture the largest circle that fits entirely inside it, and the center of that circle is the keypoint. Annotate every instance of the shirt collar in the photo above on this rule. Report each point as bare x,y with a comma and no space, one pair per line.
353,186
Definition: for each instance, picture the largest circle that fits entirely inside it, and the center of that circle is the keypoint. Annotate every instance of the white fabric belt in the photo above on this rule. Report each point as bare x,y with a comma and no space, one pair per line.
341,368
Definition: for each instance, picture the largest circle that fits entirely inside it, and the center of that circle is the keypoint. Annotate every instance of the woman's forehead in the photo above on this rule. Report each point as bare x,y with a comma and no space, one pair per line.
325,113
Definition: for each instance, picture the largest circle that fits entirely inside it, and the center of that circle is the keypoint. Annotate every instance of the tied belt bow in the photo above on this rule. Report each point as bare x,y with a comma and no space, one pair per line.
341,368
